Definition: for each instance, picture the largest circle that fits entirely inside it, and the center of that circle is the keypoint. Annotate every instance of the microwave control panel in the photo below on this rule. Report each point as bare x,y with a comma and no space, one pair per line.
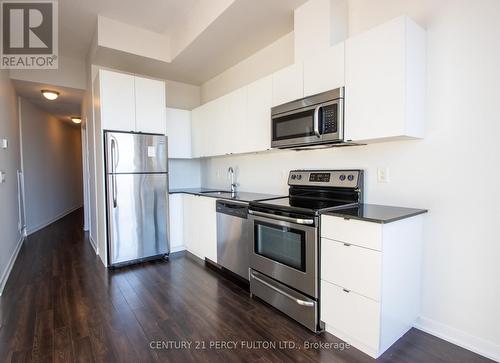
329,118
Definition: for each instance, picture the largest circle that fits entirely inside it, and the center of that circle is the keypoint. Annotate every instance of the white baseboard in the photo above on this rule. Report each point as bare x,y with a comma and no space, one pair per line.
31,230
177,249
465,340
93,244
8,268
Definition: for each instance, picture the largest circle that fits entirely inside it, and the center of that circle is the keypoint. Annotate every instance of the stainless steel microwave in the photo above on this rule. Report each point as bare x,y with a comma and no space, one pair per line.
314,120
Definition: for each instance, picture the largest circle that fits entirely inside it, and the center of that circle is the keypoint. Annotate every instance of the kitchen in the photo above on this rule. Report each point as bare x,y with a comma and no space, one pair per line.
308,189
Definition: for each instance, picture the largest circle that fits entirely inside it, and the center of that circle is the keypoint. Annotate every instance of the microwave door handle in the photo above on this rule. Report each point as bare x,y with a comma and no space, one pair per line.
316,121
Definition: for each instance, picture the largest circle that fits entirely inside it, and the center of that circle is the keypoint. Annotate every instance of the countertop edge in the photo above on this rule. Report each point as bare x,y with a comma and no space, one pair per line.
376,220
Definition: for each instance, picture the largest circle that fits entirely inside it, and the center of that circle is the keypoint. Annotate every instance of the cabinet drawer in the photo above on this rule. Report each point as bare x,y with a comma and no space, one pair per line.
351,314
352,267
364,234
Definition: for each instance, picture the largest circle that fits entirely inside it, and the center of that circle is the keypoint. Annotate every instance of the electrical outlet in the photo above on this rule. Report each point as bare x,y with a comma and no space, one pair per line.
382,175
4,143
2,177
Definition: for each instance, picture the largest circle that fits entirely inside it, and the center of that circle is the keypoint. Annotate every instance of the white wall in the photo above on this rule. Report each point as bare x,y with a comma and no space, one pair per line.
184,173
10,162
453,172
52,163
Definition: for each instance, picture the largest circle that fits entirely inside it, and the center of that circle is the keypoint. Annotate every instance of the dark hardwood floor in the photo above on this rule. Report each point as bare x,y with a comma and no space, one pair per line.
62,305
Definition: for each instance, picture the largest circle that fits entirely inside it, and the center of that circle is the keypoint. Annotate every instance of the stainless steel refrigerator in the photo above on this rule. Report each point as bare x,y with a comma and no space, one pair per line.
136,197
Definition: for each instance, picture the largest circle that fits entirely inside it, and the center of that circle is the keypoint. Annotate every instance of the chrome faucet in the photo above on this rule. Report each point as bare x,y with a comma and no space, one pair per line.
230,172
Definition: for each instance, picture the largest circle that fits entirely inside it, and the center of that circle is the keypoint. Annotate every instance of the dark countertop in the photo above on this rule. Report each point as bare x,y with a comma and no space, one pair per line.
376,213
240,196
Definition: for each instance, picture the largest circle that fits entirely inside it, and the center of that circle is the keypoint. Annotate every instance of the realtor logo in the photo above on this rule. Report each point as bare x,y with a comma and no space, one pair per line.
29,35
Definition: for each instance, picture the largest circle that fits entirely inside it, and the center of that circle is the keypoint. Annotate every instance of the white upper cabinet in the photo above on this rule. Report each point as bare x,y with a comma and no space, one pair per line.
385,82
324,71
150,105
202,130
131,103
117,101
288,84
230,134
256,130
178,130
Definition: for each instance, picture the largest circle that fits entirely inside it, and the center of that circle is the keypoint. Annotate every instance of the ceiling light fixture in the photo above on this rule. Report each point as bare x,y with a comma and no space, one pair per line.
76,119
50,95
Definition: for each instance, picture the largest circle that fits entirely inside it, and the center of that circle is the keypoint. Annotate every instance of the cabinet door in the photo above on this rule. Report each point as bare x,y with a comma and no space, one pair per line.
256,133
230,123
188,215
350,316
385,82
324,71
207,227
199,118
288,84
176,225
150,105
117,101
178,130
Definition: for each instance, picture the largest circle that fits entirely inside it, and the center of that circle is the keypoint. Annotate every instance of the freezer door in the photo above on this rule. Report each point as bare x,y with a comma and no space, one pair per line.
137,216
135,153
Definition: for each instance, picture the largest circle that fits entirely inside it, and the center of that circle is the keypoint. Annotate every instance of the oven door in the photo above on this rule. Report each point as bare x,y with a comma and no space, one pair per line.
285,249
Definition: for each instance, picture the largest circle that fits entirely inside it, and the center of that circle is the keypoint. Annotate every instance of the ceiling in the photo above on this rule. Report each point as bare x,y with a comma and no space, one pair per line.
67,104
77,19
243,28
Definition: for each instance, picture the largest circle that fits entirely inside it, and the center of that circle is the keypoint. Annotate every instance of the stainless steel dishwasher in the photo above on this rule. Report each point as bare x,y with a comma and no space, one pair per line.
233,236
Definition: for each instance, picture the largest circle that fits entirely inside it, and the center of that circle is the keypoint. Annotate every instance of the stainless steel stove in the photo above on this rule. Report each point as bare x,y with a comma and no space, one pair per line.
284,258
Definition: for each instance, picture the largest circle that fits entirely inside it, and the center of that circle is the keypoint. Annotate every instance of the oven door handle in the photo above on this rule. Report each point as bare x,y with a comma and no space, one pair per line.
281,292
281,218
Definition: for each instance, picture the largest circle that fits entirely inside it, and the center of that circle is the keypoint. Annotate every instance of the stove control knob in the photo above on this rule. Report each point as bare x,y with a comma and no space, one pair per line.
293,176
299,177
342,177
350,177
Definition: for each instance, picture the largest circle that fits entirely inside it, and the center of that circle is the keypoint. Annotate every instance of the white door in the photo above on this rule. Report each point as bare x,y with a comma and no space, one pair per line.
150,105
288,84
117,101
178,130
207,227
324,71
256,133
176,225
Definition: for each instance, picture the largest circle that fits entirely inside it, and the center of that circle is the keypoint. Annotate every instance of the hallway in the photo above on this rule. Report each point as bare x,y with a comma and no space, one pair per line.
62,305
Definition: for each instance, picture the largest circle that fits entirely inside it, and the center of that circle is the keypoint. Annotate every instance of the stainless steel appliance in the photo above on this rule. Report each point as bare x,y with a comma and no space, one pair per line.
285,243
314,120
233,236
136,196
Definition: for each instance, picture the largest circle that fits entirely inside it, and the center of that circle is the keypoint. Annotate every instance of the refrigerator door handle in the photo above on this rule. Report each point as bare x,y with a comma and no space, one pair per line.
113,171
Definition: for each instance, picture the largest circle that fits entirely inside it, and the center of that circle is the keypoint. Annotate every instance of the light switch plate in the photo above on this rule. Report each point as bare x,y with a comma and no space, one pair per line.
2,177
382,175
4,143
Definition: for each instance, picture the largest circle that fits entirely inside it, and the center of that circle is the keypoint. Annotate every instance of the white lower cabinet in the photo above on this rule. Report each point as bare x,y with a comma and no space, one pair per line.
175,217
370,280
200,226
353,317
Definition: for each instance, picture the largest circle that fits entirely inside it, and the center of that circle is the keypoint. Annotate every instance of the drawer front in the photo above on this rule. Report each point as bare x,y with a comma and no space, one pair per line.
354,315
364,234
352,267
